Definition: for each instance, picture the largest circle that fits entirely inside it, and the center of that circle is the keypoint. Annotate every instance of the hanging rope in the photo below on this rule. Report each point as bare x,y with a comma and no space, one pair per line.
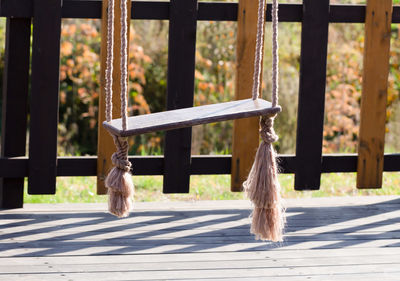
124,63
110,59
262,185
275,54
119,180
259,50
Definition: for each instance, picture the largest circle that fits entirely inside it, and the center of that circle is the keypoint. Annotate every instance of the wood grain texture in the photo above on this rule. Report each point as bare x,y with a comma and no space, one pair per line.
105,143
310,116
374,94
45,85
325,239
15,105
245,131
188,117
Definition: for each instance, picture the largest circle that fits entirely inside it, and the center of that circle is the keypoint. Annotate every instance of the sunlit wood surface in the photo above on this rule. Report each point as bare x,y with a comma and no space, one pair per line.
350,238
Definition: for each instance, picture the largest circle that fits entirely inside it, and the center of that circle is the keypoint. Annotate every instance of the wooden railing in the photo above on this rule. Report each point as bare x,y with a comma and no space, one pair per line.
43,166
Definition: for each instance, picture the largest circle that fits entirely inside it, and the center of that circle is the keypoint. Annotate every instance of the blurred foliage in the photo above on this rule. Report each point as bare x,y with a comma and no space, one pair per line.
214,83
344,87
79,87
79,84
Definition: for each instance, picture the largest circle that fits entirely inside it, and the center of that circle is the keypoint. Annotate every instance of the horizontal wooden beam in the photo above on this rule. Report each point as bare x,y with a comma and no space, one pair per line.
14,167
152,10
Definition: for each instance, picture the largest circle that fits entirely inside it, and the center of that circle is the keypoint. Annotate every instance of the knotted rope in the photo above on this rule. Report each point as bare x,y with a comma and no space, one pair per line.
267,131
262,185
120,157
118,181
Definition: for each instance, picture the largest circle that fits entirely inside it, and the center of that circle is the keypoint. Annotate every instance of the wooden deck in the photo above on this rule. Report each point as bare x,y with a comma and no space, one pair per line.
355,238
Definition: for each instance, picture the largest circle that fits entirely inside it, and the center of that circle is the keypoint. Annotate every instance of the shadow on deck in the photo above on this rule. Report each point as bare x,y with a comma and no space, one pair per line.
364,228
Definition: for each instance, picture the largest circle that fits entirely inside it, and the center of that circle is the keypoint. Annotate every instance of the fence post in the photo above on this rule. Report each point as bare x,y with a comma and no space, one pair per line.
44,96
105,143
245,131
181,66
374,93
15,105
311,108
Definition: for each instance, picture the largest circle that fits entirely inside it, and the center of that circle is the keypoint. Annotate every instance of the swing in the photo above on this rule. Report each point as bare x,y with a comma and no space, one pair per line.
262,185
186,117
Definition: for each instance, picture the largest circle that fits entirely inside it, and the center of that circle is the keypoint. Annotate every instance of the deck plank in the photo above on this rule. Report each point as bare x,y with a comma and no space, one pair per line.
326,239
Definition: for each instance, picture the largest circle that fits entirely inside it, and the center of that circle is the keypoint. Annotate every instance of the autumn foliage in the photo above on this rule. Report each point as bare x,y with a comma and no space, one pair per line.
214,82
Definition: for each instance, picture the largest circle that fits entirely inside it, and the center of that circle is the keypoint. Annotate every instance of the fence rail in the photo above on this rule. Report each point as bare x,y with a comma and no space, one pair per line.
85,166
14,166
215,11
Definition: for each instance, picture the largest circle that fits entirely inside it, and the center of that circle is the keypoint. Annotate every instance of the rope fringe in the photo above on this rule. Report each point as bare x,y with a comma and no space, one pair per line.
119,179
263,189
262,185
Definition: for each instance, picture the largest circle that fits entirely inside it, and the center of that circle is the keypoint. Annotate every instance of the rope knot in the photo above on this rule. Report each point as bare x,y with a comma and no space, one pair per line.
120,157
267,131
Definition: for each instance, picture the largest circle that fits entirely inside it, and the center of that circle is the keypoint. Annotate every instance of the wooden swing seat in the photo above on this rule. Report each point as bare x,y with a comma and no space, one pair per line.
188,117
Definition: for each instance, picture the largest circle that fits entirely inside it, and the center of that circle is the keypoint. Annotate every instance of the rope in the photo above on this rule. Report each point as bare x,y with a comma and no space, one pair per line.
120,157
267,131
124,64
259,52
124,57
275,54
109,60
259,49
123,61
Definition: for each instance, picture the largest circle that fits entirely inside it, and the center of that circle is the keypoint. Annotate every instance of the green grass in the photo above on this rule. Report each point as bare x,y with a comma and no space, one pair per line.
149,188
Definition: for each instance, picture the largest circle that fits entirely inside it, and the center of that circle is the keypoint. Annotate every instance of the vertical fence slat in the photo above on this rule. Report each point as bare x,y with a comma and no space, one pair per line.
105,143
181,66
374,93
310,120
245,131
15,105
44,96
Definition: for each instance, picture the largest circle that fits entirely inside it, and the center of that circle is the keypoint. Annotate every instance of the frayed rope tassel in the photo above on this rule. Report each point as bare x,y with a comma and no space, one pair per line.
119,181
263,189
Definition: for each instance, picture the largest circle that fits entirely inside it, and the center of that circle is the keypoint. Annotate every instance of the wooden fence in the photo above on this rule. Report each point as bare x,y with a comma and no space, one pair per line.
35,85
